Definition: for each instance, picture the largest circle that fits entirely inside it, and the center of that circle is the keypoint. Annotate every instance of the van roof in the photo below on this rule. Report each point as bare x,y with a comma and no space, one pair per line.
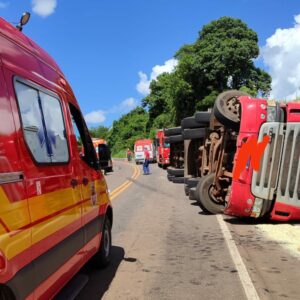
12,33
144,141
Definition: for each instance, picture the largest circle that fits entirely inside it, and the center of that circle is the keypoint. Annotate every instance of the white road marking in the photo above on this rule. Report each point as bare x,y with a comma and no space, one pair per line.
246,281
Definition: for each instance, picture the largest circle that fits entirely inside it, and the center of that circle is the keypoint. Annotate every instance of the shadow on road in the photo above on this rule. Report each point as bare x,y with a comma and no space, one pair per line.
253,221
100,280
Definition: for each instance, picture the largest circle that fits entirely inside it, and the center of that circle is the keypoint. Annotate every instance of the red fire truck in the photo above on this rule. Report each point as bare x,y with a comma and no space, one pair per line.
163,149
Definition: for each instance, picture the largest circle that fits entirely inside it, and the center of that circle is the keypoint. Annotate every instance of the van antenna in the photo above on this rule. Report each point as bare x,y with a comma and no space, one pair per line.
24,20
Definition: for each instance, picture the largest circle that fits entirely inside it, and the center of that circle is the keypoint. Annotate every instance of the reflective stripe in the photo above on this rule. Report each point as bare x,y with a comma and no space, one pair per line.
32,275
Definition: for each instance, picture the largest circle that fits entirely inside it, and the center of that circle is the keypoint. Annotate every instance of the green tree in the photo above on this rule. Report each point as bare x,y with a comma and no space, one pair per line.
221,58
99,132
128,129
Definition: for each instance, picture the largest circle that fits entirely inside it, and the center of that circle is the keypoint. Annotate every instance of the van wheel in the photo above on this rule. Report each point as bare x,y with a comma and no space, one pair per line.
6,293
206,200
102,258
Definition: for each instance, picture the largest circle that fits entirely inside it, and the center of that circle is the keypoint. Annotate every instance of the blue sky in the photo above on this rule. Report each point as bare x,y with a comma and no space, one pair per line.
102,45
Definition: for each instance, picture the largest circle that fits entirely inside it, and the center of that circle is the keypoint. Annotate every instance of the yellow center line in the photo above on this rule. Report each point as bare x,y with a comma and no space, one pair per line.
117,191
124,183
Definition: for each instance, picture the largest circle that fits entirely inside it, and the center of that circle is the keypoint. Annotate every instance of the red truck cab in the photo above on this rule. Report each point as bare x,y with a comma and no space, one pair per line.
273,190
163,149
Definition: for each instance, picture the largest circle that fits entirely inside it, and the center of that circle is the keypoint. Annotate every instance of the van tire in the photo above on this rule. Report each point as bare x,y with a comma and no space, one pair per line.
6,293
205,200
102,258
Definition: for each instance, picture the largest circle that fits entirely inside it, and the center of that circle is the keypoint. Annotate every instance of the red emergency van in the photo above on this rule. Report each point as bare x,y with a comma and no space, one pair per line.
139,147
55,212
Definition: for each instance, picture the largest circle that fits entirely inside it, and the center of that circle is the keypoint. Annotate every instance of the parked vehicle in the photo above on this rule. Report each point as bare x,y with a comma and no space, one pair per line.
139,147
163,150
217,154
103,154
273,190
55,212
175,170
194,130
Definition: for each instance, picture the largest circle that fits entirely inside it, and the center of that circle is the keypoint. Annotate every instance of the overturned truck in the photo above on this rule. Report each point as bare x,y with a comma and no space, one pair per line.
267,185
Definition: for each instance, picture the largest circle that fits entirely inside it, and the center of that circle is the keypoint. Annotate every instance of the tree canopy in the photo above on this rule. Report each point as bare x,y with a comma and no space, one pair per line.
128,129
221,58
99,132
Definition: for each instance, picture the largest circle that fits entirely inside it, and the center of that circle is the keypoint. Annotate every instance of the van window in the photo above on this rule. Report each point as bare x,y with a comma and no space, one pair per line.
43,124
84,141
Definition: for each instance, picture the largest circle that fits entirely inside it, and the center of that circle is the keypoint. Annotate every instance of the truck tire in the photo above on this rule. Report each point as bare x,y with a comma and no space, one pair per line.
102,257
6,293
186,189
175,139
192,194
203,117
191,122
192,182
193,134
175,172
172,131
170,177
178,179
226,109
204,197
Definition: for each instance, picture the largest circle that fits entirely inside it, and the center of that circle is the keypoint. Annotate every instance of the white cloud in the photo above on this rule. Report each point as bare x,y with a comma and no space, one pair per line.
281,55
43,8
128,104
97,116
3,4
143,86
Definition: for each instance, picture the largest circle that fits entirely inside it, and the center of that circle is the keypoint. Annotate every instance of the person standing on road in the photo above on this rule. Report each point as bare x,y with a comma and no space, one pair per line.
146,161
129,155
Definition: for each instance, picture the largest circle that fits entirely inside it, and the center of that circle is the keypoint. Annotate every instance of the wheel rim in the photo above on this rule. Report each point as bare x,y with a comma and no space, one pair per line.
212,197
106,242
232,109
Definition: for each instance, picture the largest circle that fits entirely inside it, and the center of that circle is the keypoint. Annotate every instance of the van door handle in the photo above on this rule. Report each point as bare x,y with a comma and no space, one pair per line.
85,181
74,182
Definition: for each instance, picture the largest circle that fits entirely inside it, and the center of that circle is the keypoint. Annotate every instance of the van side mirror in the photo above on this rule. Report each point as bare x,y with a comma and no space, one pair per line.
23,21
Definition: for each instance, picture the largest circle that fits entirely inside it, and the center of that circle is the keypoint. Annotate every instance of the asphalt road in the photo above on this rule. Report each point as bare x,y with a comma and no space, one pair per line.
164,247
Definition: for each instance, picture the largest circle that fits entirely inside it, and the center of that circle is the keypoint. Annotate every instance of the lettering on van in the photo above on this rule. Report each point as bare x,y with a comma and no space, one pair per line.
250,153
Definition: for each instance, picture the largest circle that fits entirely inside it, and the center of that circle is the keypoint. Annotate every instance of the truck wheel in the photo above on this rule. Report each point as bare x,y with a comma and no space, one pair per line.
186,189
227,108
6,293
102,258
202,117
206,200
